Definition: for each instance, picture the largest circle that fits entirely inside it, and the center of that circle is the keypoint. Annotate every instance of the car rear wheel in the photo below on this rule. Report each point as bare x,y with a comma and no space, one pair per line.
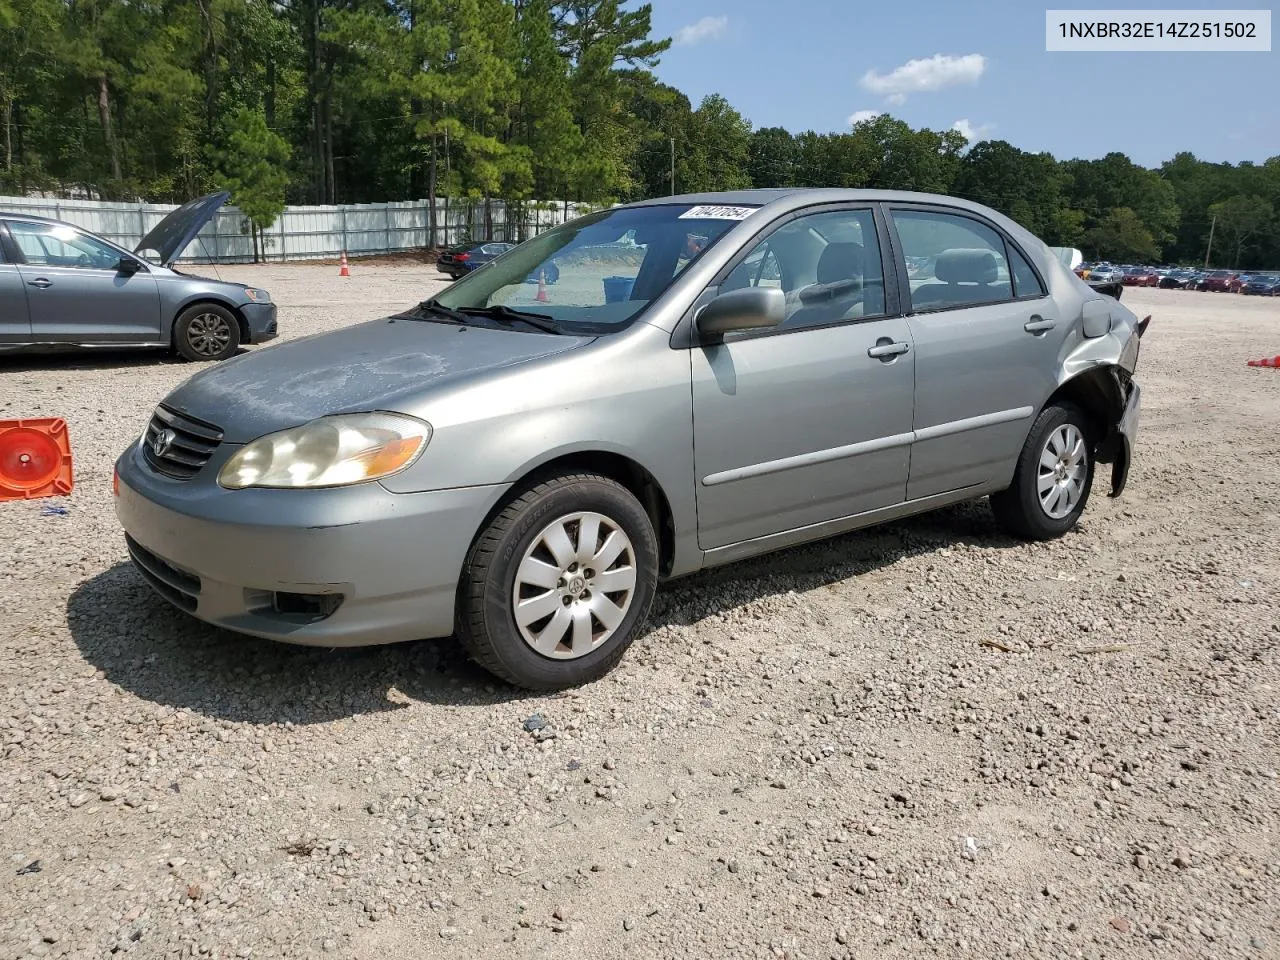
559,584
1054,474
206,331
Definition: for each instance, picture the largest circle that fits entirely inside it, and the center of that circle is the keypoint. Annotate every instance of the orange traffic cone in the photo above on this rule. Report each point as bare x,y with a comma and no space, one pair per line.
542,287
1266,362
344,272
35,459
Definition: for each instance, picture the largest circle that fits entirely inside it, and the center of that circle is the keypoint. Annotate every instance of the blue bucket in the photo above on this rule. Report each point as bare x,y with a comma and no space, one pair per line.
617,289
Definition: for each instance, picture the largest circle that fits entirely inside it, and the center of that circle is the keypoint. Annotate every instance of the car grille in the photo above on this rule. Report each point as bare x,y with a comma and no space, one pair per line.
190,443
180,588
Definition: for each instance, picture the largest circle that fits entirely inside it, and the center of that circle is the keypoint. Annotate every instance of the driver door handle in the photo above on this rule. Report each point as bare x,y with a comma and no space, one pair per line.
1039,325
41,282
887,351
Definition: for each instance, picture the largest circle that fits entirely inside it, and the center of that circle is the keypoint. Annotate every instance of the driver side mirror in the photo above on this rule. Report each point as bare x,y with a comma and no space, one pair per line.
746,309
128,266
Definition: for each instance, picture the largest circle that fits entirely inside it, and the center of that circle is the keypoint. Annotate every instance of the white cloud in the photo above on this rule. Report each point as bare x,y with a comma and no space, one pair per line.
970,132
858,116
925,76
708,28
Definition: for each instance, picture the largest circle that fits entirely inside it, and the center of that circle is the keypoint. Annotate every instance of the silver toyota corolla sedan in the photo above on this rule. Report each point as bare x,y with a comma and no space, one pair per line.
712,377
63,288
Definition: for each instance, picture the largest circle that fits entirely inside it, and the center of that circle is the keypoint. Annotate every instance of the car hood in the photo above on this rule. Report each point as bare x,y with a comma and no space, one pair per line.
174,233
378,365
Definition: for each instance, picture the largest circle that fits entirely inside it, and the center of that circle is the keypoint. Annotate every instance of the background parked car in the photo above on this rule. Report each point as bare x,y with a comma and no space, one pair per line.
1262,285
1219,281
1106,273
65,288
461,260
1175,279
1106,279
1140,277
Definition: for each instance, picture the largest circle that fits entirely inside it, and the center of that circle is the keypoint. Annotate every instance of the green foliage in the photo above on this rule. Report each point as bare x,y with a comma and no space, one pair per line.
342,101
1025,186
1242,220
716,149
1121,235
252,167
773,158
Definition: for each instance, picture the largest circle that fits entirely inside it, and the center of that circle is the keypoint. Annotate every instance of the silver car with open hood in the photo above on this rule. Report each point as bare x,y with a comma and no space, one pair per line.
63,288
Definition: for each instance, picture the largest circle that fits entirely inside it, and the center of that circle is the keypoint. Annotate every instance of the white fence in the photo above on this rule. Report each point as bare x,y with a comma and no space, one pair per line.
303,233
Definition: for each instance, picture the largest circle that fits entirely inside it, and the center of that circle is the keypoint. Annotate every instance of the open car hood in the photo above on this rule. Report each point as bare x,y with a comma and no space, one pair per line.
174,233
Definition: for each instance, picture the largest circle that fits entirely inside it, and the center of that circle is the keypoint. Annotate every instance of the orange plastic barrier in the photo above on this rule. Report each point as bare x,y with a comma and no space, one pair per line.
35,459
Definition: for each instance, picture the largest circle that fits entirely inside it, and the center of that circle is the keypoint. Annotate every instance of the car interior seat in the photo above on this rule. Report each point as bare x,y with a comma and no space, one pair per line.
964,276
838,291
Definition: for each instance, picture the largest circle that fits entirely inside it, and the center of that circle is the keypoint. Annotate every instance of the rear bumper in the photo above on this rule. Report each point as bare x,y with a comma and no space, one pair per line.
261,321
1127,430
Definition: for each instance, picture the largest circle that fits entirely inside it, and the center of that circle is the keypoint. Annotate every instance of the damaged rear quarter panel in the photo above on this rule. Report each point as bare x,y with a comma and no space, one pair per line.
1109,362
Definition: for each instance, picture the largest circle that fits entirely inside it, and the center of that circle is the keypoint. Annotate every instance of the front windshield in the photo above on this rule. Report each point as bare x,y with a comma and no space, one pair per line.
596,273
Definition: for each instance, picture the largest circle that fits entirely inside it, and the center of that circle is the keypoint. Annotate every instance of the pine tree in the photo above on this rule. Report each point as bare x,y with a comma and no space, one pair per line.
253,168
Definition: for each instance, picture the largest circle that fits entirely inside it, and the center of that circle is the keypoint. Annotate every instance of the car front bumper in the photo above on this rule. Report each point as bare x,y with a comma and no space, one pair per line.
261,320
342,567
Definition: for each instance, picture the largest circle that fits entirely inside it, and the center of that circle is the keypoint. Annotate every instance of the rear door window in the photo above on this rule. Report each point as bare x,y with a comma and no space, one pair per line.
957,261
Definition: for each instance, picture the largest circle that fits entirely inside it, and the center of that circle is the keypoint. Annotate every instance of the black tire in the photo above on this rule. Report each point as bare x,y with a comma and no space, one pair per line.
206,332
486,623
1019,510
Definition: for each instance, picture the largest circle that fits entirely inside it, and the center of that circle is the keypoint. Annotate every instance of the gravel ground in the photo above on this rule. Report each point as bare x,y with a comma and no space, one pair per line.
924,740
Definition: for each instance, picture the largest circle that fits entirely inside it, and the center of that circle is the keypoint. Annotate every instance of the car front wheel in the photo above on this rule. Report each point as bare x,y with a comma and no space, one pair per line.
1052,480
559,584
206,331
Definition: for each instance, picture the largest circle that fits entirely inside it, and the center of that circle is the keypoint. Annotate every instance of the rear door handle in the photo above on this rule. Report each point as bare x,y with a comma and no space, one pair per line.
41,282
1039,325
886,349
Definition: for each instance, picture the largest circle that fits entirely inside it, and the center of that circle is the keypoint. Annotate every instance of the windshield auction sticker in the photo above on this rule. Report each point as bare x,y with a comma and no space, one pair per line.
717,213
1137,31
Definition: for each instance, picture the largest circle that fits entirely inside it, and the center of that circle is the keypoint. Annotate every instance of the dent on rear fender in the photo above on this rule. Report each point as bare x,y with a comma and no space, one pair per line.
1104,351
1118,347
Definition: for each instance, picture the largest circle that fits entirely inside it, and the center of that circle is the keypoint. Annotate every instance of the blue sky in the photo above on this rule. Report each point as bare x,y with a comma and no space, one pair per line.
804,65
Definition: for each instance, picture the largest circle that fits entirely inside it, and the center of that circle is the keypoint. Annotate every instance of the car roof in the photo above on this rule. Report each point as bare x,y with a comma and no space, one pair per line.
31,217
801,196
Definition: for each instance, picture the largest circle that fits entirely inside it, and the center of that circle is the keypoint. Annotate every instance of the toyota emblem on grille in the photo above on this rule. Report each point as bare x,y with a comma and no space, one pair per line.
162,441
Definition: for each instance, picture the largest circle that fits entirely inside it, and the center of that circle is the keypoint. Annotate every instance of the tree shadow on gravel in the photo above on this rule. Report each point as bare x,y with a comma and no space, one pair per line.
162,655
125,358
820,564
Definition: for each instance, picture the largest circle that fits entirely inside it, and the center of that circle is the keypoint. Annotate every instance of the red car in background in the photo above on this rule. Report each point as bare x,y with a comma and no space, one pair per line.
1220,281
1141,277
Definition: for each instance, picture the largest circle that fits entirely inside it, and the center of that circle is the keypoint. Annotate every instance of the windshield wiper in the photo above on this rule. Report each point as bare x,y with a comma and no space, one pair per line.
430,306
505,314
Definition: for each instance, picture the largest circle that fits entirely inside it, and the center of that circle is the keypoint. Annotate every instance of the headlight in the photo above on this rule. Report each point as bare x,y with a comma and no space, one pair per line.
329,452
256,295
